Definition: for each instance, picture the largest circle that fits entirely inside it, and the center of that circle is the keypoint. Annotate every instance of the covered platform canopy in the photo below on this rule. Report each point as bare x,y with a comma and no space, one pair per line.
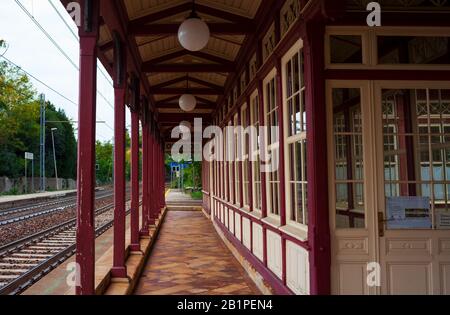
257,52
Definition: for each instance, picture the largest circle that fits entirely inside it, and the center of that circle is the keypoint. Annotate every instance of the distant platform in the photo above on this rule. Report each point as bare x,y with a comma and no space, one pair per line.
20,199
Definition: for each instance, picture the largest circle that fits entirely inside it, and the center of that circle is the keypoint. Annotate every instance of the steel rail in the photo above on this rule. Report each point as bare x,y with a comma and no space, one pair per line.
25,280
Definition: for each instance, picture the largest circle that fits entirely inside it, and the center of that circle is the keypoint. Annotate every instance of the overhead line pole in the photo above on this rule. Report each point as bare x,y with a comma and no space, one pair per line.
42,143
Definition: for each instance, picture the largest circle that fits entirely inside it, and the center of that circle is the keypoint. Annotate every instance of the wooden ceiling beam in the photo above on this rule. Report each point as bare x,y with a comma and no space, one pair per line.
176,105
198,54
167,100
187,7
234,18
162,14
207,84
185,78
186,68
165,118
170,82
172,29
181,91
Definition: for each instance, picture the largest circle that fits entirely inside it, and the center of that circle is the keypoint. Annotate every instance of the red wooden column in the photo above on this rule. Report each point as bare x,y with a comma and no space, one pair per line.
318,226
250,164
145,158
85,249
119,269
281,168
151,178
135,245
160,175
263,175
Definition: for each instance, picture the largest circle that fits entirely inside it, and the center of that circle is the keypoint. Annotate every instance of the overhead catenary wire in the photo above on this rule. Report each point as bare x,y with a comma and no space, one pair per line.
50,38
45,84
40,81
75,36
57,46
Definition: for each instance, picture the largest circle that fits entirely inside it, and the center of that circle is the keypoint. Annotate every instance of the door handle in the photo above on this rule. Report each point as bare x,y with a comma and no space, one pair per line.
381,222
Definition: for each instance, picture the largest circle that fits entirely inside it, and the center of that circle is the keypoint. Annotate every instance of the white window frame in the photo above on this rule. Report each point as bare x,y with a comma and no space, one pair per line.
254,101
231,185
269,147
245,159
289,140
370,47
237,159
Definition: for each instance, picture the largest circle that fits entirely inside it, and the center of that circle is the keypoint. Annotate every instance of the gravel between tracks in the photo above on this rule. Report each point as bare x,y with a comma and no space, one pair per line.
15,231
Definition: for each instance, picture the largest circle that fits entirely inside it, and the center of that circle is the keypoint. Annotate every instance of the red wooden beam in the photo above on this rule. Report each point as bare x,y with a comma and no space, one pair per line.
167,100
135,245
430,75
151,178
207,84
177,118
145,179
199,54
152,68
187,7
119,269
223,14
318,225
205,101
176,106
85,234
170,82
191,79
180,91
215,28
114,15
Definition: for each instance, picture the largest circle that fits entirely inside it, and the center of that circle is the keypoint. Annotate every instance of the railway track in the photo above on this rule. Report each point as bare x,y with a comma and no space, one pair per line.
25,261
10,216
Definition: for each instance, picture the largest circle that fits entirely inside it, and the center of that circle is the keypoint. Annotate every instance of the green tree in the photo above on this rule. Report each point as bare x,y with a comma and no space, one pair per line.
104,158
19,128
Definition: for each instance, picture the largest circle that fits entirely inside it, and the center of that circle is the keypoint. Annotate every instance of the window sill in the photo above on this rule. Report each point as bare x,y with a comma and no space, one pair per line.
295,232
272,222
255,214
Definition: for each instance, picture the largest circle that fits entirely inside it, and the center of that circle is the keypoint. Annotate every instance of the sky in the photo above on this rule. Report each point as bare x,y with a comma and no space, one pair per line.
29,48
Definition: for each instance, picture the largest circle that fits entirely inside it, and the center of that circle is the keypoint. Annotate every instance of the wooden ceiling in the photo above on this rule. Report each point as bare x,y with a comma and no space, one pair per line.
169,68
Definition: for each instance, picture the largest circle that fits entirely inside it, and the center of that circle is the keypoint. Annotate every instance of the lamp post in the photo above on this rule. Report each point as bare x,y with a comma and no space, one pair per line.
54,158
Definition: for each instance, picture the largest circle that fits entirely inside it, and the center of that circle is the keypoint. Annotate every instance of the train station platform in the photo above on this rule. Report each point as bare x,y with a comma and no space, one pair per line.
189,258
183,256
18,199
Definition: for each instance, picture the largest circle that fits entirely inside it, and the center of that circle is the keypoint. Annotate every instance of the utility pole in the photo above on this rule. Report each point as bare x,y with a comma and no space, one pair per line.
54,157
26,180
42,143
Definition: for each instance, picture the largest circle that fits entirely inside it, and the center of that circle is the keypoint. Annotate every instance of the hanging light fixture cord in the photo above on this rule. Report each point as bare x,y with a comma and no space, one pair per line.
193,14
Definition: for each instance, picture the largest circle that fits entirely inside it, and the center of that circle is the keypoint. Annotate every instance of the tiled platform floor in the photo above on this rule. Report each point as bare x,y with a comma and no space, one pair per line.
190,258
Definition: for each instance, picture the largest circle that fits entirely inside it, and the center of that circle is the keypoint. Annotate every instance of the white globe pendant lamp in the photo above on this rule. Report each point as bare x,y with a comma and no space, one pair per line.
188,102
194,33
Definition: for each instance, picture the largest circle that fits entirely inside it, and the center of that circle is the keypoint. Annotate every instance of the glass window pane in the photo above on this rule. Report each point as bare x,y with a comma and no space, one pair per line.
415,151
349,161
346,49
413,50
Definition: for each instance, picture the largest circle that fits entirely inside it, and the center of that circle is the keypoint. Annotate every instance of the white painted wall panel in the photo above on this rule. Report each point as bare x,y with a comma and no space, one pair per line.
246,238
237,228
231,221
297,268
226,216
258,241
274,253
